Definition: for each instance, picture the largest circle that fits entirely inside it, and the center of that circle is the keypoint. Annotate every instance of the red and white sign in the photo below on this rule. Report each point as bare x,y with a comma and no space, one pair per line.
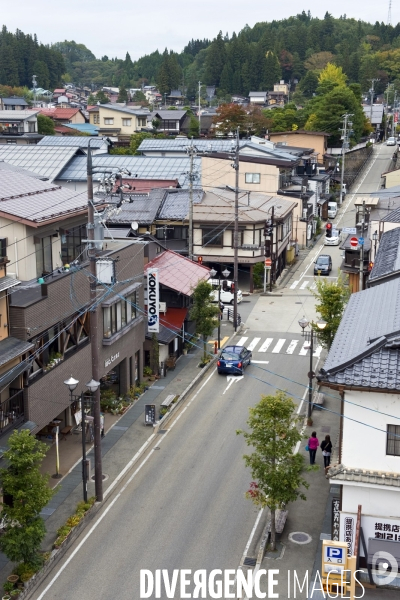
354,242
268,262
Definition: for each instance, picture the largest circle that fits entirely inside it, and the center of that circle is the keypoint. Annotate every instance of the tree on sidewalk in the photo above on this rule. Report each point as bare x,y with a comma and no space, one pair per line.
277,471
204,312
332,298
27,493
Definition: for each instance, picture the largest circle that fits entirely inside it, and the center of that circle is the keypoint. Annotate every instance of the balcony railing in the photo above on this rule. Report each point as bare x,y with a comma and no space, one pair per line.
12,410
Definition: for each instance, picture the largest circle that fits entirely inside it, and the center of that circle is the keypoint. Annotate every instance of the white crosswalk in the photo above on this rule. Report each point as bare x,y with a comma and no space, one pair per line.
307,283
279,346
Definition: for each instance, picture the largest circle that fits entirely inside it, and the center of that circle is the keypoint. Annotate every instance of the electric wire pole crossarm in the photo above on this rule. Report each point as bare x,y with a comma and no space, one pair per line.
321,324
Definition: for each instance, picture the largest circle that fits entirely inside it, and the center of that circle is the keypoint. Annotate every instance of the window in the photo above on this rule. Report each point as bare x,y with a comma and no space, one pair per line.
43,249
213,237
71,243
172,233
393,440
108,121
142,122
252,177
118,315
96,119
126,122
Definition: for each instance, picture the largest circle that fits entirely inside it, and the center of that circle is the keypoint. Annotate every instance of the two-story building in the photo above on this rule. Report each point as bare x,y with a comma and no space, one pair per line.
170,121
118,122
362,365
13,103
19,127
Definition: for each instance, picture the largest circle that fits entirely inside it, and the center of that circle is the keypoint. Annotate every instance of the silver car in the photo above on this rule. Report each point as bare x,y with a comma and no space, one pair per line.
391,141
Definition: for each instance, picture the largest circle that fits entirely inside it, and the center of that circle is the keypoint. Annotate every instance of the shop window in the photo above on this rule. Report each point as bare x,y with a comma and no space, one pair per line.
393,440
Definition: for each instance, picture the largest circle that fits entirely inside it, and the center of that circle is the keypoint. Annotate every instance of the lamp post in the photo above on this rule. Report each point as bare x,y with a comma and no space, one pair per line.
375,238
321,324
92,386
226,274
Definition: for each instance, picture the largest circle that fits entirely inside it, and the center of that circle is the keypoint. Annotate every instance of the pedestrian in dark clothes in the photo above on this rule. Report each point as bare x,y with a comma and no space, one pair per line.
326,447
313,444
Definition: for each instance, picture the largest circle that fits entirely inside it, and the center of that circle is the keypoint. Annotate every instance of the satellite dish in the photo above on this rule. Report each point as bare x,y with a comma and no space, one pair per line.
134,226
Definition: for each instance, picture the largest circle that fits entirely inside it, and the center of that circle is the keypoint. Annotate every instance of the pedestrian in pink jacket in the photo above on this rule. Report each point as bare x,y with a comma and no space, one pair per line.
313,444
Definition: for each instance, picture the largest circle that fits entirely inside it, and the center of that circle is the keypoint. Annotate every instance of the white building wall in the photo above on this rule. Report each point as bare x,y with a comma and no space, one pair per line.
374,500
365,447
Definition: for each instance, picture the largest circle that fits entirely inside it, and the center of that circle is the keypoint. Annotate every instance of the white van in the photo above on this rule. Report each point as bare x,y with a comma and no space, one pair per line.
226,291
332,210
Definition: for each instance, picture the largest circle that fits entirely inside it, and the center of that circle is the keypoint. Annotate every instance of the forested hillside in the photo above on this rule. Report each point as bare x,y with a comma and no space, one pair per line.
298,47
21,56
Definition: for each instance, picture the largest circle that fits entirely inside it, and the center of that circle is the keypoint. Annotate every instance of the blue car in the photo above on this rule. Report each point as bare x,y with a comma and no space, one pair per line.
234,359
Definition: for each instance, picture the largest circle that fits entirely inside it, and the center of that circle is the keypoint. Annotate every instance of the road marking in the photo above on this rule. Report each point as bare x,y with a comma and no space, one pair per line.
292,346
223,341
294,285
266,345
253,344
242,341
278,346
231,380
260,362
304,284
318,351
305,349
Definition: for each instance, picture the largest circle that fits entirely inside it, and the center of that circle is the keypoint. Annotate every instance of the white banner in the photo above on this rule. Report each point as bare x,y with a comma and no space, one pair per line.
380,528
153,312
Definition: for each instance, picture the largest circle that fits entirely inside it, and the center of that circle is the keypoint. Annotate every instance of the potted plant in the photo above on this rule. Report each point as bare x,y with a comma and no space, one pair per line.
13,579
147,372
163,411
8,587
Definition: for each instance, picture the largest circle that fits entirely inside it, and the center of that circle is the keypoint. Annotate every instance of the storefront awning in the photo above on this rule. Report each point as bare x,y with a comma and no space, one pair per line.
170,325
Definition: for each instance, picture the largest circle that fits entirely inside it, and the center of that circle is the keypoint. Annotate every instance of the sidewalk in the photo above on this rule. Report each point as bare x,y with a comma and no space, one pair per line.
122,441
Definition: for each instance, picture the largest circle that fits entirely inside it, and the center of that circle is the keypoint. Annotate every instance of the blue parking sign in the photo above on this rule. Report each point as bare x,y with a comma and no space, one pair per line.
333,554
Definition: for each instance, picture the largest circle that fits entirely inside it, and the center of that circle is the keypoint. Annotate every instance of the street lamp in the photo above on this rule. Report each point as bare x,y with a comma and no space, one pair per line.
375,238
321,324
226,274
92,386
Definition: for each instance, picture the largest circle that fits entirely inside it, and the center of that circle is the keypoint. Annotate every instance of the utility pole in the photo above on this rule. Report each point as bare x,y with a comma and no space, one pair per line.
236,232
371,91
98,471
361,286
393,110
345,144
199,109
34,84
272,275
191,151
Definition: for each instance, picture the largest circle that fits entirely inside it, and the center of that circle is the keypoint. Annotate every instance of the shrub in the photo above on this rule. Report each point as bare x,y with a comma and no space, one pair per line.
147,372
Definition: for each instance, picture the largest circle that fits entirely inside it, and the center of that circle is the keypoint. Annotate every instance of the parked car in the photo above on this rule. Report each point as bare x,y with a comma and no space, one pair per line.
226,291
391,141
332,210
323,265
234,359
334,240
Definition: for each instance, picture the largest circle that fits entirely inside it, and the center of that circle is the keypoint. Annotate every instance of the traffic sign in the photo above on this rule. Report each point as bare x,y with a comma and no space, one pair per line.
268,262
361,241
354,242
352,230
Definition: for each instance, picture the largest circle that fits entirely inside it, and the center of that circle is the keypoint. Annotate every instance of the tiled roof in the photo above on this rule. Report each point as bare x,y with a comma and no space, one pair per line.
140,186
13,101
24,198
59,113
343,473
176,203
258,94
124,109
177,272
169,115
17,115
393,216
12,348
387,261
366,349
47,161
84,127
143,209
73,140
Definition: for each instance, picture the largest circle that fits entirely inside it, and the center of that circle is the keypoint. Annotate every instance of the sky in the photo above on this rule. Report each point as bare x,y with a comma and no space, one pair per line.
142,27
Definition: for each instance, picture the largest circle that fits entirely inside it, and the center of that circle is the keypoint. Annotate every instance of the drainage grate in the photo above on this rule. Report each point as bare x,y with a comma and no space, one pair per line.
47,511
162,430
156,448
104,477
120,428
249,562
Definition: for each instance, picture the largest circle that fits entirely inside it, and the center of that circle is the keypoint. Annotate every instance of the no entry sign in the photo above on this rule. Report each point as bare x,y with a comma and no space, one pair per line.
354,242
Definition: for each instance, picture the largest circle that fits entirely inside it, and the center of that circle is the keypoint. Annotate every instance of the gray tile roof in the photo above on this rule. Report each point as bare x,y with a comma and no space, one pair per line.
11,348
343,473
37,201
143,209
164,336
14,101
393,216
366,349
176,204
387,261
13,168
48,161
169,115
258,94
124,109
8,282
386,192
73,140
142,167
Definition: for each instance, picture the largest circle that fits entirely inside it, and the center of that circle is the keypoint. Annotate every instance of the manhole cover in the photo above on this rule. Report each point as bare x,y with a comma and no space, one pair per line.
104,477
299,537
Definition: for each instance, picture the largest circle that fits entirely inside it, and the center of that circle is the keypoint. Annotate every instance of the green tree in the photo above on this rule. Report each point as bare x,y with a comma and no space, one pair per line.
204,312
276,469
193,127
332,298
216,56
138,96
122,95
91,100
27,488
308,84
229,117
272,72
45,125
101,97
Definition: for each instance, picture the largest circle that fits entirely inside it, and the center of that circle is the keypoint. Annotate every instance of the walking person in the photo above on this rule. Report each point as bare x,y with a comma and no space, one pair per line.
313,444
326,447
